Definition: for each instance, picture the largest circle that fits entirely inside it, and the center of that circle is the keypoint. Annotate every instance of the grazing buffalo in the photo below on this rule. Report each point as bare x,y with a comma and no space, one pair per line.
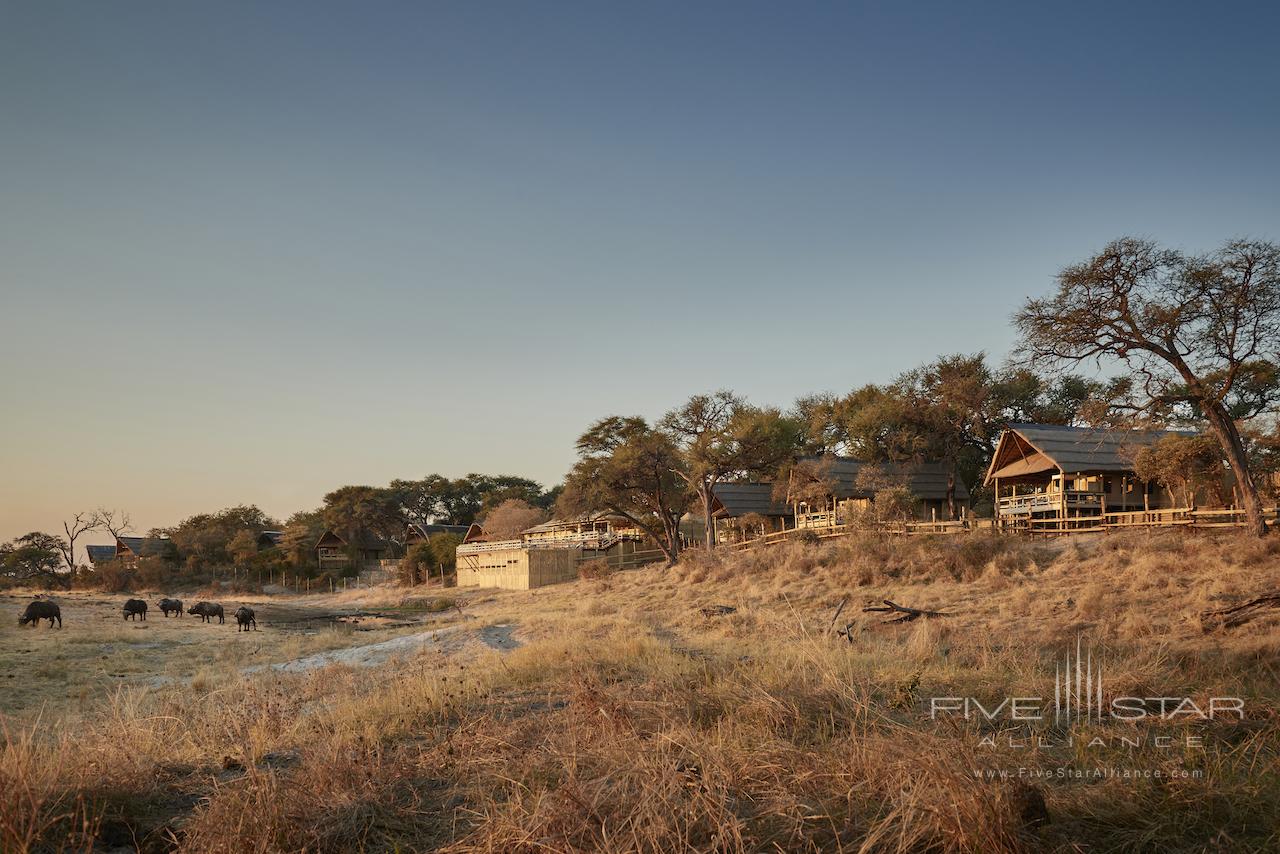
168,605
206,611
41,610
244,619
135,608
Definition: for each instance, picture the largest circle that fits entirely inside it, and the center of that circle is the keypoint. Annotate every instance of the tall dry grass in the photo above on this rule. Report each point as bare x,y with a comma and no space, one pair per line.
630,722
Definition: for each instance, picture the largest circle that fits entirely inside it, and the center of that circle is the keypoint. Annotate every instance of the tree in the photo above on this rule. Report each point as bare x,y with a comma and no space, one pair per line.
627,467
511,517
34,556
1183,464
719,437
79,524
117,523
462,501
206,539
301,533
243,547
354,510
1192,330
420,500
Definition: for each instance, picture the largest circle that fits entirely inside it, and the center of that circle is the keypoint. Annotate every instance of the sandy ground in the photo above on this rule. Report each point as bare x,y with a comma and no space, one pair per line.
450,640
74,668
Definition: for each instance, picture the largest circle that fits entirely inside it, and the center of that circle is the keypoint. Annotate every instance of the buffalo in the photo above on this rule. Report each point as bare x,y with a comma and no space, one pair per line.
41,610
170,605
244,619
206,611
135,608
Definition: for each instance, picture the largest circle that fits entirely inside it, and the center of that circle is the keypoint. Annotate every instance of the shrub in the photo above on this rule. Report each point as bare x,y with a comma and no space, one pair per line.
593,569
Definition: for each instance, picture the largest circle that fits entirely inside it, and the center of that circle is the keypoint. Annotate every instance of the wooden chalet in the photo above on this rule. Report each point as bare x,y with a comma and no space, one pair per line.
336,552
130,550
544,554
589,530
846,495
1045,472
745,510
419,532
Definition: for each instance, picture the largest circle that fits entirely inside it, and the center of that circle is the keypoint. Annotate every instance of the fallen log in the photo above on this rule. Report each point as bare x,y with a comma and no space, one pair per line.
906,614
1238,615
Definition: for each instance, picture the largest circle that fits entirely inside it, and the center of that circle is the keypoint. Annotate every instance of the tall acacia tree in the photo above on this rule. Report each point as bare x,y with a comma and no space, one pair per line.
721,436
1195,331
627,467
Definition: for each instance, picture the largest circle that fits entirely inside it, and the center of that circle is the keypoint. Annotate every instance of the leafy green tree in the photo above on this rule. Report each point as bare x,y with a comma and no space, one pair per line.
627,467
1185,465
205,539
720,437
420,500
301,533
1196,332
34,557
243,547
352,511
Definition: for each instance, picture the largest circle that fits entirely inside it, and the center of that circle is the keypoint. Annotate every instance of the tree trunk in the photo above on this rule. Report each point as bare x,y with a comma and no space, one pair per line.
1224,429
951,495
705,493
670,544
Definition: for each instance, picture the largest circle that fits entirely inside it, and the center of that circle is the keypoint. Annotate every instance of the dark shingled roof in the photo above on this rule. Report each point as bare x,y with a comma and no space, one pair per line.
1085,449
739,499
144,546
927,481
98,554
273,538
425,530
363,540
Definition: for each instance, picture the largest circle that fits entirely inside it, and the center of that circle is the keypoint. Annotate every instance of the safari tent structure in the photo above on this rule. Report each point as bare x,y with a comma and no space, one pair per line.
419,532
269,539
1051,474
100,554
846,491
744,510
544,554
129,550
336,552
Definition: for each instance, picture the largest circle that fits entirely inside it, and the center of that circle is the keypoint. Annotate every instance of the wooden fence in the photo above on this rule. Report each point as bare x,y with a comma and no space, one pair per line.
1177,517
625,561
1172,517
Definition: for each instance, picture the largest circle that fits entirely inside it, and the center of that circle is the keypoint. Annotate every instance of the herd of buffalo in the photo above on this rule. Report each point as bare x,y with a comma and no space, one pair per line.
136,609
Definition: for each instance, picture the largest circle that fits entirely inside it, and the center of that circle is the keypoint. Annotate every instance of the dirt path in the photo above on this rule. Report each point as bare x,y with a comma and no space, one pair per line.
450,640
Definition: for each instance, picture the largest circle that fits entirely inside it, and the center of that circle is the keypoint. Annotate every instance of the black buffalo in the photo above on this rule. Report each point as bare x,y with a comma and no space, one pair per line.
167,605
244,619
135,608
41,610
206,611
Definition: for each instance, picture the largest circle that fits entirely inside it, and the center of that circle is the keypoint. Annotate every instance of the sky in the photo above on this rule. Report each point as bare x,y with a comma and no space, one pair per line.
251,252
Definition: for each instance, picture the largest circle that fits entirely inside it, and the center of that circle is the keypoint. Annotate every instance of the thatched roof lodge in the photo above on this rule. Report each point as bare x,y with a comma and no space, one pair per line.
1053,470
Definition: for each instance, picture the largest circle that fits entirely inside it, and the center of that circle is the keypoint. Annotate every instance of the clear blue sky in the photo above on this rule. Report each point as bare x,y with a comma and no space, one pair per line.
249,252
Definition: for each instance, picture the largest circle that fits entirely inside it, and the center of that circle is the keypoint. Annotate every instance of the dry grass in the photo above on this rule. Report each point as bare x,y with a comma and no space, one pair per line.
629,722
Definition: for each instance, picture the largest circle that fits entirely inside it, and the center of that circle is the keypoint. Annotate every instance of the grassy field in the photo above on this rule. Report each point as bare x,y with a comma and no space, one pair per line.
618,717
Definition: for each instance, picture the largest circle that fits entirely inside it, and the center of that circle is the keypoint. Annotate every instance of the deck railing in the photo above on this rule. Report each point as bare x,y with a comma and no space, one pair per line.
1048,502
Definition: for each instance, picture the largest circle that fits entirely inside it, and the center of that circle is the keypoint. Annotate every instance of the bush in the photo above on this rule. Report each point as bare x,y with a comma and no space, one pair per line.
594,569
